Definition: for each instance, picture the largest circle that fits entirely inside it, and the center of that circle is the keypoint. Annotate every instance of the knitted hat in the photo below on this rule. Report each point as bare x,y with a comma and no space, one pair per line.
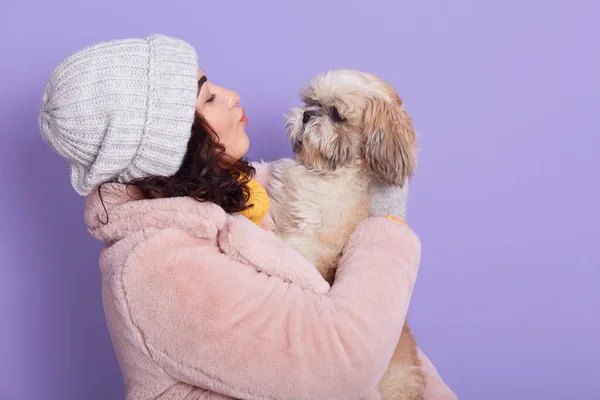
122,109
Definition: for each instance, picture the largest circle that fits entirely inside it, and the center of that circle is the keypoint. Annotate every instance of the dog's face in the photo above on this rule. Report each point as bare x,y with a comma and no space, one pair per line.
353,118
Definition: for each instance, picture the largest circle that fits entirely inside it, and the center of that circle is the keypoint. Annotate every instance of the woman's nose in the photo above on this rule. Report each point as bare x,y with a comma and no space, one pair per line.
234,99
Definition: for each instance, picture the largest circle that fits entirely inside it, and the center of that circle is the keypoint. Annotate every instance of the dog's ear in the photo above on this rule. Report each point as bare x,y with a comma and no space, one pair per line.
391,143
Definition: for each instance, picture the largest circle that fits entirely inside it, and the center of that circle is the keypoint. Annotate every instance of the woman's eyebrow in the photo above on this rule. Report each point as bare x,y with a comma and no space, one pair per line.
201,82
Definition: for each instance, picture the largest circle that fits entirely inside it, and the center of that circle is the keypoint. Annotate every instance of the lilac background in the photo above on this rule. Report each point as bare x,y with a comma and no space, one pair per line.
506,200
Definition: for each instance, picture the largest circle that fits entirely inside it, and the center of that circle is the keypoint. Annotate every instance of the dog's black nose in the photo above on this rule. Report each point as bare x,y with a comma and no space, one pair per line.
308,114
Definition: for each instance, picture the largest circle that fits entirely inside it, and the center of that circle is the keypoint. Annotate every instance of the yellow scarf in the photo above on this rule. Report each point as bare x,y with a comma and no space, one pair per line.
259,200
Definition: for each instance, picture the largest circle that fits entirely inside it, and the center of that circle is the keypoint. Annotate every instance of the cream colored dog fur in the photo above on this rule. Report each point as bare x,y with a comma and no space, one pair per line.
351,132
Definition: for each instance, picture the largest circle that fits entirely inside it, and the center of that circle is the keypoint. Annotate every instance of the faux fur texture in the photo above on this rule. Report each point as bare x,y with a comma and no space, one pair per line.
204,305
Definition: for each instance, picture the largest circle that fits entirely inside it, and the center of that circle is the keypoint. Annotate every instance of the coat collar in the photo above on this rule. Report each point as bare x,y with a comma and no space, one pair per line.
120,212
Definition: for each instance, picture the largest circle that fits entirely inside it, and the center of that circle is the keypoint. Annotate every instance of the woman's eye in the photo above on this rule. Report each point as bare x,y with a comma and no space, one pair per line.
211,98
335,115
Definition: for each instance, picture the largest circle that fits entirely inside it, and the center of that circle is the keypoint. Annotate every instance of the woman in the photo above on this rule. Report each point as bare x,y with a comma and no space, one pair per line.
200,302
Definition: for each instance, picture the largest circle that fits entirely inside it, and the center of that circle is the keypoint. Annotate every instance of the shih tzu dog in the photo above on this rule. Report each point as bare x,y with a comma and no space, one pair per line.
352,131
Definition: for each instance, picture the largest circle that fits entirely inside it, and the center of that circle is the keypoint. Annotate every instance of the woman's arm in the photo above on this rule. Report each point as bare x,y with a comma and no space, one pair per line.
222,325
436,388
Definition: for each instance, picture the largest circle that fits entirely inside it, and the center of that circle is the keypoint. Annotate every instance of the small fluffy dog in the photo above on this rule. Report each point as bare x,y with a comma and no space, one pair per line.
351,132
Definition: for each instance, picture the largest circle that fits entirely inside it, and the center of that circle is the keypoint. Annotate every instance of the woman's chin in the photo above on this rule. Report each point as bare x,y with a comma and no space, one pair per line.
241,150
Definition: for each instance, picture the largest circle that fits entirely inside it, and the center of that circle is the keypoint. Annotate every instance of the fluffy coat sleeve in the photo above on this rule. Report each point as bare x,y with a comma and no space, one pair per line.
257,324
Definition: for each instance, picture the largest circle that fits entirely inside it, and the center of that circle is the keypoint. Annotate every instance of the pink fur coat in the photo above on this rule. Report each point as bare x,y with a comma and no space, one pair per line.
204,305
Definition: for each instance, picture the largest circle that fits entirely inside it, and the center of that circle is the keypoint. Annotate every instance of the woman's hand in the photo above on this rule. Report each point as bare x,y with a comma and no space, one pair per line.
388,200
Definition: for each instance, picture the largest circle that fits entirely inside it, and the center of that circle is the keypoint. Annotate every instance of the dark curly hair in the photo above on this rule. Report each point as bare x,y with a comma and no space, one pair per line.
207,174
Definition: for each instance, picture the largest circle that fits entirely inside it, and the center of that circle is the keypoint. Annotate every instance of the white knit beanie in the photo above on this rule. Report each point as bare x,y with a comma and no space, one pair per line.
122,109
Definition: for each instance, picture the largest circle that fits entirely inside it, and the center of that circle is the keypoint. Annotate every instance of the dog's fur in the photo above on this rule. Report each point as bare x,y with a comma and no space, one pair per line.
352,131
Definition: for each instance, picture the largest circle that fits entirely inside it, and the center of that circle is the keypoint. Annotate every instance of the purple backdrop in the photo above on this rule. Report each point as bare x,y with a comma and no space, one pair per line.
505,97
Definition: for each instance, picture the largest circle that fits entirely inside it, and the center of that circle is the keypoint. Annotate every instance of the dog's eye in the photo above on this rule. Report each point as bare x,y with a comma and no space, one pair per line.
335,115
